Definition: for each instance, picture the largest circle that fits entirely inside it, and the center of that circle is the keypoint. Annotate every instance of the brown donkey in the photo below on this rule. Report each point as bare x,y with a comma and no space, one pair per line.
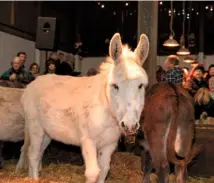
169,131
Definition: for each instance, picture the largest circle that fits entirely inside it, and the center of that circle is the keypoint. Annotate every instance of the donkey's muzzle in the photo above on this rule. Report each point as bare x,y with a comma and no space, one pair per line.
129,129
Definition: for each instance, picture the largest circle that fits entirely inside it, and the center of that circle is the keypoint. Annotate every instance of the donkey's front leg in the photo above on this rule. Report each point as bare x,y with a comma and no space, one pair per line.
89,152
104,159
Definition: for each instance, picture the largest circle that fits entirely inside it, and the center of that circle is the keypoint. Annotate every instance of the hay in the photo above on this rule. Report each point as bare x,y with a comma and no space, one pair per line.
125,168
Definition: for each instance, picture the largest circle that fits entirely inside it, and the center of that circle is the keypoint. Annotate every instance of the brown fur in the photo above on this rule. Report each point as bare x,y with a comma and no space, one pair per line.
168,113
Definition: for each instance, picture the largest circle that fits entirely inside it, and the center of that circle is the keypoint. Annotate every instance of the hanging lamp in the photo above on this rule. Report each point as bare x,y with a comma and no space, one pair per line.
188,59
194,64
183,51
171,42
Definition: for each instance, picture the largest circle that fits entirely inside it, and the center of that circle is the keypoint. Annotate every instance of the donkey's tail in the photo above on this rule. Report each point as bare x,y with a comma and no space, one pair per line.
194,151
171,154
23,160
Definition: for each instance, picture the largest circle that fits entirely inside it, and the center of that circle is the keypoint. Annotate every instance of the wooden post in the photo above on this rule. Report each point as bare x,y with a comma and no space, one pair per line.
12,13
148,24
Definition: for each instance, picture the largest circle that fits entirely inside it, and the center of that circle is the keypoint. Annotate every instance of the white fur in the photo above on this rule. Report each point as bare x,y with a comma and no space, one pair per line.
178,141
165,138
11,115
86,111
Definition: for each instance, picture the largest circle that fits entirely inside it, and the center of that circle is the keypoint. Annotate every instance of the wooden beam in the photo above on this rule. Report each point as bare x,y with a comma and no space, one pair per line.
148,24
12,13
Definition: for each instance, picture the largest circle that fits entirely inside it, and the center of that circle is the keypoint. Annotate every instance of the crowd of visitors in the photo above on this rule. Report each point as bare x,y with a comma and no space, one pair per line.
55,64
198,82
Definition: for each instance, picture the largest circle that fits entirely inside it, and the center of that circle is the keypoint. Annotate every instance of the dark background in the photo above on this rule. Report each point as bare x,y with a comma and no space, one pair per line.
96,24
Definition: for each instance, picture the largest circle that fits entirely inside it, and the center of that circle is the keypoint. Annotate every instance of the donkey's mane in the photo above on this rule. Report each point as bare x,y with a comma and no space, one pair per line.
106,66
109,63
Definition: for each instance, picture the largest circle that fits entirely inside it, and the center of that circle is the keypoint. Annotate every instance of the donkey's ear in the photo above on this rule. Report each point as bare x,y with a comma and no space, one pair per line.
115,47
142,49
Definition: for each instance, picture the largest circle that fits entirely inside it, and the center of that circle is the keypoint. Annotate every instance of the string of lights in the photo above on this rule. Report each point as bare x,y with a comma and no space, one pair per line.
103,5
180,12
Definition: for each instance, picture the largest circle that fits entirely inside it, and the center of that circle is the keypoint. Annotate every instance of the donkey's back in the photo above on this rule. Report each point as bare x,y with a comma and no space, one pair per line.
169,130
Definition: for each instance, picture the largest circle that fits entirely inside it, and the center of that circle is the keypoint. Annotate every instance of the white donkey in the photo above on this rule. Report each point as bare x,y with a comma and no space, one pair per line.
11,114
87,111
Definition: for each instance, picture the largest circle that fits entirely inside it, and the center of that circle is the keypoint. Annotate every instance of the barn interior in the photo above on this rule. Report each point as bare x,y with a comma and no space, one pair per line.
78,33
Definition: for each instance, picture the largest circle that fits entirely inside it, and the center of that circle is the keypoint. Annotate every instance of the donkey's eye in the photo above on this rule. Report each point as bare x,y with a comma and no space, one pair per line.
115,86
140,86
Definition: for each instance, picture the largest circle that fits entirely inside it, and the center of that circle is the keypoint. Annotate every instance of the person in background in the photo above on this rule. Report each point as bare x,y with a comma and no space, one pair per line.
210,72
211,87
160,74
174,73
34,70
17,73
22,56
62,67
204,99
92,72
52,58
51,67
188,79
197,80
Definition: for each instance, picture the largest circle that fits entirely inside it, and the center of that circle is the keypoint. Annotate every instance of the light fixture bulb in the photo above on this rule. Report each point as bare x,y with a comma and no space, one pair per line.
171,42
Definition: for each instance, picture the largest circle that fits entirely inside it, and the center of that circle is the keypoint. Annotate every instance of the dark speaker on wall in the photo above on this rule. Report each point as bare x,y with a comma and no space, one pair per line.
47,33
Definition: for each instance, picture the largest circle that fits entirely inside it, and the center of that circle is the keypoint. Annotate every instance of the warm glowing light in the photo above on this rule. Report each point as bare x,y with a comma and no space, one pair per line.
183,51
189,60
194,64
127,4
161,3
114,13
206,7
197,13
170,42
102,6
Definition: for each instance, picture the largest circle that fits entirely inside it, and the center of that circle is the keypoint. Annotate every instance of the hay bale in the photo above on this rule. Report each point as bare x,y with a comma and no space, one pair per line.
125,168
